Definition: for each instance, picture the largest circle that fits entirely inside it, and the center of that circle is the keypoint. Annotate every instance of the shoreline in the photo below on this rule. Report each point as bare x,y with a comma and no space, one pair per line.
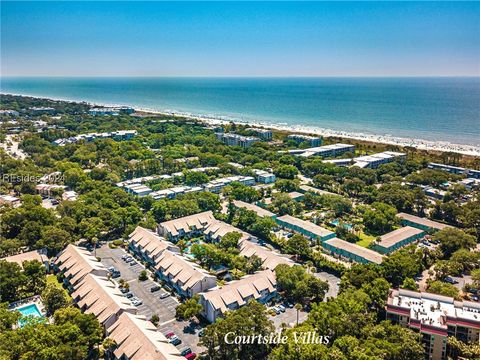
421,144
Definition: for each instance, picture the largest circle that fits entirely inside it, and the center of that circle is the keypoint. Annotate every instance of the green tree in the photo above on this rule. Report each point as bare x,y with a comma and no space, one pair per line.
54,298
11,281
249,320
453,239
189,308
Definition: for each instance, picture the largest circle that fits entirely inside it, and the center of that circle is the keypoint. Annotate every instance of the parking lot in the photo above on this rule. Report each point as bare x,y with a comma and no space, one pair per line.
152,304
288,317
333,283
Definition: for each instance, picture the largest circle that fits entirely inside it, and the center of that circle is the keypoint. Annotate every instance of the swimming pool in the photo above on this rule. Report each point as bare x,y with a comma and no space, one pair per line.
28,310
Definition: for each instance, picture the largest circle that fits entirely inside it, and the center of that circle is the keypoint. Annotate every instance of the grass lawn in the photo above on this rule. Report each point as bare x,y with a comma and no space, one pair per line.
365,239
52,279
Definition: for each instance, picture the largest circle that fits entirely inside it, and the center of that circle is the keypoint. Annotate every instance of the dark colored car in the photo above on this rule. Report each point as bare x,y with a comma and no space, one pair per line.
185,351
154,288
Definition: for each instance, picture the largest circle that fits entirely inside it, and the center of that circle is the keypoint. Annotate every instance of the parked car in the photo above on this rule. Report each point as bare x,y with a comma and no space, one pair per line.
451,280
111,269
133,263
136,301
125,256
281,308
55,202
277,310
129,259
129,295
154,288
170,334
190,356
185,351
201,333
175,341
289,305
123,290
164,295
116,274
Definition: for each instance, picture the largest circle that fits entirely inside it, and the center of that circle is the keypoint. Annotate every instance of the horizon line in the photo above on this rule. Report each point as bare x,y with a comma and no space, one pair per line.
242,76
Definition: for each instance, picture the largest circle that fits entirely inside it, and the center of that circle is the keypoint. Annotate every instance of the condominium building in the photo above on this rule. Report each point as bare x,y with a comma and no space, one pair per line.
141,180
270,259
111,110
436,317
306,228
10,200
188,226
186,277
257,209
375,160
137,339
236,140
38,255
352,252
48,189
41,110
216,230
420,222
455,170
75,263
263,176
264,134
99,296
217,301
396,239
313,141
138,189
148,245
173,192
116,135
217,185
324,151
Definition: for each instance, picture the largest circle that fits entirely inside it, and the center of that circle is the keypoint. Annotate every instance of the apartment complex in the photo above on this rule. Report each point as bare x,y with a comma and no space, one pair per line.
396,239
188,226
270,259
324,151
264,177
173,192
375,160
217,185
75,263
111,110
42,110
115,135
313,141
236,140
352,252
257,209
455,170
420,222
436,317
263,134
10,200
217,301
186,277
137,339
99,296
38,255
306,228
148,245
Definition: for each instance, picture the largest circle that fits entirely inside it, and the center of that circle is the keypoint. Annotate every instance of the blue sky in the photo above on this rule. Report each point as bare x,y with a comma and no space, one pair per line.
240,39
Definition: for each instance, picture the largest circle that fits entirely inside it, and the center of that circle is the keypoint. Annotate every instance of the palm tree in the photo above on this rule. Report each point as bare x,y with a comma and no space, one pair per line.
298,307
94,243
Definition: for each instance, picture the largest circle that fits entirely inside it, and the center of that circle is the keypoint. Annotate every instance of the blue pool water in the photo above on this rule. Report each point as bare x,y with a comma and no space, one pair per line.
29,310
336,222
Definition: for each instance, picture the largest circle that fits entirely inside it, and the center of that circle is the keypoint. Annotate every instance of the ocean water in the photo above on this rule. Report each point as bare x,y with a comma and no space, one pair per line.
439,109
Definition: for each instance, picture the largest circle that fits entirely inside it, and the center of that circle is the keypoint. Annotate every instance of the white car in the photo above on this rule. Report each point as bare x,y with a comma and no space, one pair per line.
136,301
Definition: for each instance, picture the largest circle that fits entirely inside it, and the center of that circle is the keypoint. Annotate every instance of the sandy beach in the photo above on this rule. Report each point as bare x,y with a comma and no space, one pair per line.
421,144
